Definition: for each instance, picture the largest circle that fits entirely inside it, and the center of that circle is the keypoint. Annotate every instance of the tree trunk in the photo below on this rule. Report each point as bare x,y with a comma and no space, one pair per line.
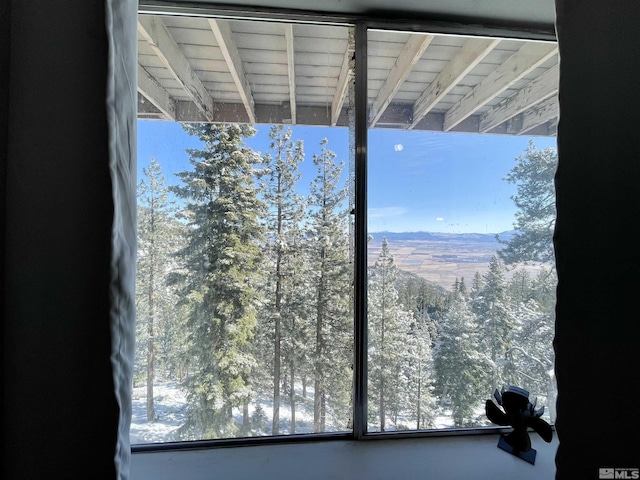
323,412
419,410
292,399
382,361
318,413
382,404
275,426
246,422
317,425
151,413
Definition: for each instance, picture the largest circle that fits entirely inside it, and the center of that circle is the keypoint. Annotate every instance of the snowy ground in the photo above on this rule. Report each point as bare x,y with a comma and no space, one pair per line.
171,406
170,402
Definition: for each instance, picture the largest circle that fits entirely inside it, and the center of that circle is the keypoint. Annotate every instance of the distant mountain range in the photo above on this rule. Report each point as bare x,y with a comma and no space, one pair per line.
436,236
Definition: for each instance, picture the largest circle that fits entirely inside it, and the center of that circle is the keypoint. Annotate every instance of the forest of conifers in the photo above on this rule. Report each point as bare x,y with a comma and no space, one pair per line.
245,294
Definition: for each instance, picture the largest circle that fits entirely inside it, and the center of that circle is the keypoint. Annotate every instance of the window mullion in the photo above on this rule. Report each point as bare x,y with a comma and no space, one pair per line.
360,267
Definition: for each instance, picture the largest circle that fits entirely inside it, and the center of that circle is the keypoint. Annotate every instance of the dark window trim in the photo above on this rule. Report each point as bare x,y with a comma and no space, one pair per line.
512,30
362,25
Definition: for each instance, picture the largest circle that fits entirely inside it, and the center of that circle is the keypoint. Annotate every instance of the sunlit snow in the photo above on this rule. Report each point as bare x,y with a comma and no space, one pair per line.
170,403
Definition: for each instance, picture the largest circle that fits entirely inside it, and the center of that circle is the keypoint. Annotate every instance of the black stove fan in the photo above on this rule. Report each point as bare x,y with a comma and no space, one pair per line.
520,414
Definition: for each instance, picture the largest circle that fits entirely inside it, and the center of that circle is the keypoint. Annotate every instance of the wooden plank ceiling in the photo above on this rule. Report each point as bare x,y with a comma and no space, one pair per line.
194,69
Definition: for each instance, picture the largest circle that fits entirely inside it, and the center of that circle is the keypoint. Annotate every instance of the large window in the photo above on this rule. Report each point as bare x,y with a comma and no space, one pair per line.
264,307
461,276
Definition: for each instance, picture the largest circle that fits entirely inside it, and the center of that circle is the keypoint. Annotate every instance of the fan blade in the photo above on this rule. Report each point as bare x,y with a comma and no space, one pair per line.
495,415
542,428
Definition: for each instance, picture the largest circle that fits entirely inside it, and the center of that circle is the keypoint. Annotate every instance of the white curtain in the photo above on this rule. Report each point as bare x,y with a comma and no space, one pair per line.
121,28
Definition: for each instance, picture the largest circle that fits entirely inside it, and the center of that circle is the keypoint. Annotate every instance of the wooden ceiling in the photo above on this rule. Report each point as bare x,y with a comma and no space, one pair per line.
194,69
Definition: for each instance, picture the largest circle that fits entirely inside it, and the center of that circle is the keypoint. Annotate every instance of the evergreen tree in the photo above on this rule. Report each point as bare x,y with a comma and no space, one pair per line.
460,287
417,372
222,263
544,289
536,203
460,368
389,323
492,308
285,213
520,287
423,299
476,285
328,243
157,234
531,357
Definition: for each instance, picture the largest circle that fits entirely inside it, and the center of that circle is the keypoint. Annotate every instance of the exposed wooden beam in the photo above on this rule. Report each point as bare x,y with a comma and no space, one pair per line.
153,30
156,94
346,73
539,114
530,56
538,90
222,31
409,56
148,110
472,52
397,116
186,112
288,33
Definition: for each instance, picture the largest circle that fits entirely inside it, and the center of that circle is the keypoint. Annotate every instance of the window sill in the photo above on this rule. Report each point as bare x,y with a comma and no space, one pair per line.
468,457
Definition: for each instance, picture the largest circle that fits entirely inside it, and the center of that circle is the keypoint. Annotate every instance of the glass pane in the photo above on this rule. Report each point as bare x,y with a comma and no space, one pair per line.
244,283
461,208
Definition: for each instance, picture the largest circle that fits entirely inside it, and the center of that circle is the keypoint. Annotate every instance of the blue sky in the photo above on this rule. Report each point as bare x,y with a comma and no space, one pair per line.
418,181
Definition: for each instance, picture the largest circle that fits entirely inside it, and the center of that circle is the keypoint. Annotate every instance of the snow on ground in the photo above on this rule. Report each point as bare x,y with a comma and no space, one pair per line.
170,402
304,415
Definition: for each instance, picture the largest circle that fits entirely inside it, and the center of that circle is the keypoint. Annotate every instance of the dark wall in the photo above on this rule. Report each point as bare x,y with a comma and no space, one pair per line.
597,237
4,127
60,416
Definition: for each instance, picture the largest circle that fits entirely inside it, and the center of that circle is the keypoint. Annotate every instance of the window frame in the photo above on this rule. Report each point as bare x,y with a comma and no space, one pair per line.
362,25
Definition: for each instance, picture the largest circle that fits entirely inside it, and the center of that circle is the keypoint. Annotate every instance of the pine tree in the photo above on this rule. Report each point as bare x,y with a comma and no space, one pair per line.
296,322
328,243
460,287
536,203
520,287
476,285
285,213
222,263
460,368
531,357
423,299
417,372
495,319
157,234
389,323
